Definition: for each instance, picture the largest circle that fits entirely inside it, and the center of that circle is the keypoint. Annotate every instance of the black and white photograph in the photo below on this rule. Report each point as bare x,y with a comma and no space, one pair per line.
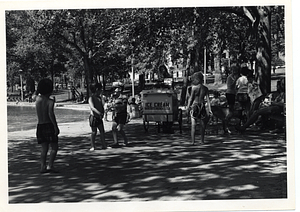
140,106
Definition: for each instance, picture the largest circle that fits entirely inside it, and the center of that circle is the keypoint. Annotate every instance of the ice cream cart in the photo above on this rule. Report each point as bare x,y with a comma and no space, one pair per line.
161,107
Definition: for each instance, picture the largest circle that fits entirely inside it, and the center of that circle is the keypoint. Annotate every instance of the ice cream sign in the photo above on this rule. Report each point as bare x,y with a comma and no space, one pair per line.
157,106
157,102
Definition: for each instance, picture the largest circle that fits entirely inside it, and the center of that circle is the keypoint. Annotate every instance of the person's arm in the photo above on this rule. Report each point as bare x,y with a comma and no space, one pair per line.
230,81
191,99
52,116
93,108
34,95
237,84
208,102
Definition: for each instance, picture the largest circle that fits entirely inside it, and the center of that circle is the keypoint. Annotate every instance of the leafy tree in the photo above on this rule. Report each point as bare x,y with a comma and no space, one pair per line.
277,35
88,43
30,51
259,22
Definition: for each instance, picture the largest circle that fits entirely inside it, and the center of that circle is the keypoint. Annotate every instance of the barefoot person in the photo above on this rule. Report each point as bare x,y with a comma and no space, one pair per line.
120,115
196,106
96,103
47,129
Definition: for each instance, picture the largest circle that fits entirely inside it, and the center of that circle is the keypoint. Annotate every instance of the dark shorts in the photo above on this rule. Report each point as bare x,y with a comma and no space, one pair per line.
46,133
95,122
198,111
242,97
230,98
120,118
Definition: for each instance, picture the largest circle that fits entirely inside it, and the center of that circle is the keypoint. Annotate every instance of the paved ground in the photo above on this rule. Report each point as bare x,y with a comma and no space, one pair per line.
156,166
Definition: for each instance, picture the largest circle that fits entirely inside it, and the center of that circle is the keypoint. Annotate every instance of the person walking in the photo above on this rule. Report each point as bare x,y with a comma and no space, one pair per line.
196,106
47,130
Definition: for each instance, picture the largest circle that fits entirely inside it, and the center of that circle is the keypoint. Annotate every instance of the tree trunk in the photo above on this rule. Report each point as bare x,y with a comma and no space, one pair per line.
217,68
263,56
104,82
260,22
217,63
196,61
87,75
186,74
82,81
52,74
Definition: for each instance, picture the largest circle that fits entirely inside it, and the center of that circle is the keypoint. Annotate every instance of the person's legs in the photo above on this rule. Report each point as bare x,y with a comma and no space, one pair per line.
122,132
105,115
193,129
228,118
53,153
254,117
102,136
248,106
203,124
114,133
231,102
44,152
93,137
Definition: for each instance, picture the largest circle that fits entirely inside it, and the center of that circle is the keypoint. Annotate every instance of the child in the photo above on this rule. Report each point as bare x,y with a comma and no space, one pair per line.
216,99
47,129
120,118
133,109
96,103
196,106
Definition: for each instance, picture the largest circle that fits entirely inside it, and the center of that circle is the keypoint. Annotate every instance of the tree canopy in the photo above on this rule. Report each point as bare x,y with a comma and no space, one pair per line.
89,43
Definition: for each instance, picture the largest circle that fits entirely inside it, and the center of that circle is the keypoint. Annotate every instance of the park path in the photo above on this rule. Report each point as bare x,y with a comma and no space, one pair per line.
155,167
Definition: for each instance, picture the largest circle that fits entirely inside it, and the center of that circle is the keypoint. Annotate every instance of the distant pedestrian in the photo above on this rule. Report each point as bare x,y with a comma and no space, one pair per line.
47,129
133,109
196,106
121,112
108,108
242,90
230,95
96,103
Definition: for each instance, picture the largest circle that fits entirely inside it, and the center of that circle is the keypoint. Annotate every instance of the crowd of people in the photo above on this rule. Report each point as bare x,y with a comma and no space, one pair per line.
48,131
241,90
243,99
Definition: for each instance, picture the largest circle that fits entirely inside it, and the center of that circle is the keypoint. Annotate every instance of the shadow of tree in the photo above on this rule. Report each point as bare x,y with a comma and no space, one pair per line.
154,167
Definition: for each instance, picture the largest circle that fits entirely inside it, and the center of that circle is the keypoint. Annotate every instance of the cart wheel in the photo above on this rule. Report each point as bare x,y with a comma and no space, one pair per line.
146,125
180,120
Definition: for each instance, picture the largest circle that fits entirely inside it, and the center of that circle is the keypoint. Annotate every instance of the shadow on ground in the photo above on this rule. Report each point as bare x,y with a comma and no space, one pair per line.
155,166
